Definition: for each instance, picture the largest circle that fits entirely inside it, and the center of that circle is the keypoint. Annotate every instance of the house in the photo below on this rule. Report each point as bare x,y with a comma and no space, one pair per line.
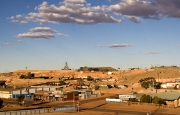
170,85
106,86
14,92
177,80
169,97
65,78
122,86
7,92
83,94
127,97
122,98
41,95
110,73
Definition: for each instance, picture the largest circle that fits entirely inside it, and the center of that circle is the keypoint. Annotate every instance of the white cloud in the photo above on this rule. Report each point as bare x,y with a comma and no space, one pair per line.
134,19
154,53
81,12
40,32
19,16
60,34
20,40
75,1
12,17
43,29
19,22
7,44
23,22
116,45
15,21
71,11
114,0
36,35
135,8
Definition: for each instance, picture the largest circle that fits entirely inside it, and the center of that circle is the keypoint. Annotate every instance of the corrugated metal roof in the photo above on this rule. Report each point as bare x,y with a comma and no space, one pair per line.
166,95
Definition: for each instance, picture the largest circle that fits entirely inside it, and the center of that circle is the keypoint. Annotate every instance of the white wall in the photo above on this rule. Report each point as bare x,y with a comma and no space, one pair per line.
5,94
113,100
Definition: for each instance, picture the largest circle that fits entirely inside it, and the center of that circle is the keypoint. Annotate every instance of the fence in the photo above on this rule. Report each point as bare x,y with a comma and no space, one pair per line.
40,111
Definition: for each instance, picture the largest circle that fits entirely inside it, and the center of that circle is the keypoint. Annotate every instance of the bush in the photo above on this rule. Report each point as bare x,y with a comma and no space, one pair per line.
62,83
20,99
157,100
29,76
145,98
89,78
157,85
1,103
96,87
145,85
150,81
133,100
22,77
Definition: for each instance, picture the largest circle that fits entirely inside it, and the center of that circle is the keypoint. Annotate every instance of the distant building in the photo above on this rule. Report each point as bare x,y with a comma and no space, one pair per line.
177,80
170,85
122,98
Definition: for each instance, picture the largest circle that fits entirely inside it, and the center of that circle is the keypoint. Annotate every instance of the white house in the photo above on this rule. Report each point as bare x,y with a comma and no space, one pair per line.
170,85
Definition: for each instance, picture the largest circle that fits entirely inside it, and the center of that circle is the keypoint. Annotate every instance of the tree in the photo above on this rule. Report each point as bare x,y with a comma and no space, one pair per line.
62,83
20,99
145,98
22,77
96,87
145,85
157,85
1,103
150,81
157,100
30,76
89,78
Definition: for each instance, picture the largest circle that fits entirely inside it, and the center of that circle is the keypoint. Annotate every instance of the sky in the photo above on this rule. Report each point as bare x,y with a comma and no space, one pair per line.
121,34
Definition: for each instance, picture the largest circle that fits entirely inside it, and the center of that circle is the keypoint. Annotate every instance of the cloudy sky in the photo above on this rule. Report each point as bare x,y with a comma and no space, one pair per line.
117,33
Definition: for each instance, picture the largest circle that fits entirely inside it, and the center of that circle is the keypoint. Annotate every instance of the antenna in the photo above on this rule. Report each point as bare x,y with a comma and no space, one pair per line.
66,66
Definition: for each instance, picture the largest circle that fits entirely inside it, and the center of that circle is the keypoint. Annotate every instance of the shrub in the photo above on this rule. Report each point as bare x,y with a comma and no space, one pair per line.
29,76
133,100
145,98
62,83
157,100
145,85
89,78
1,103
96,87
157,85
20,99
150,81
22,77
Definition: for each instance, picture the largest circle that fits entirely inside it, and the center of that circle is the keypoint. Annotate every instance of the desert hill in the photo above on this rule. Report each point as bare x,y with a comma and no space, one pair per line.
128,77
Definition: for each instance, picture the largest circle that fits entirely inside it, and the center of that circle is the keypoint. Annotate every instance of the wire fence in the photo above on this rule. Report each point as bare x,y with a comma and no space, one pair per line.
40,111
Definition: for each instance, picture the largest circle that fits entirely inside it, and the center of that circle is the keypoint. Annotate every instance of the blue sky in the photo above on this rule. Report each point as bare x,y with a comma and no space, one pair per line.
117,33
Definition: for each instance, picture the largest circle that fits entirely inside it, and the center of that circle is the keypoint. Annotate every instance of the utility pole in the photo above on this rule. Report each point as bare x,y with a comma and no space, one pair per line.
158,75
